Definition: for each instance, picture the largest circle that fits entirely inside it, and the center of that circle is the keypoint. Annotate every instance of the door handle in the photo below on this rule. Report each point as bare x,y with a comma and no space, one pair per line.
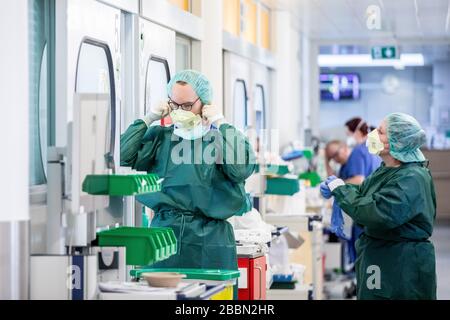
260,281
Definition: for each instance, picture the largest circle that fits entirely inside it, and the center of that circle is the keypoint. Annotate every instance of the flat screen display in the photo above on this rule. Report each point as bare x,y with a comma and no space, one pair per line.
339,86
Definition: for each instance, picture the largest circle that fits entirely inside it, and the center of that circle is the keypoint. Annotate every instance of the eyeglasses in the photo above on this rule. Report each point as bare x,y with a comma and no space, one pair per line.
185,106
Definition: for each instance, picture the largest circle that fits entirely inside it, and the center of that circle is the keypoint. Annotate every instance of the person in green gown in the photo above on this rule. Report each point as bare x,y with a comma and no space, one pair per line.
203,162
396,205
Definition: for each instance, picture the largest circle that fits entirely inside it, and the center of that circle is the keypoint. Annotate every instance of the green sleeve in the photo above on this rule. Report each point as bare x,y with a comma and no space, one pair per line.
388,208
239,160
131,143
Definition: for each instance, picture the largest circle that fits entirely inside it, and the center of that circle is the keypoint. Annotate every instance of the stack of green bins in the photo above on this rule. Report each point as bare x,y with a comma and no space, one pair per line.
144,246
121,185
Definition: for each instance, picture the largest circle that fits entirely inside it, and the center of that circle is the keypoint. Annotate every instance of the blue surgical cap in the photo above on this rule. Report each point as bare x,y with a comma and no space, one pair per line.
405,137
197,81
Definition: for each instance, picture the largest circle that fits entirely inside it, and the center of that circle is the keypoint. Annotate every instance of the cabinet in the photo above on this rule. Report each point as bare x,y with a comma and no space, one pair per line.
252,282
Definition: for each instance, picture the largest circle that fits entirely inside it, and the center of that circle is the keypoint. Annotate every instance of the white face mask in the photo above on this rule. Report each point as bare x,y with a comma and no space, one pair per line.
374,143
193,133
351,141
185,119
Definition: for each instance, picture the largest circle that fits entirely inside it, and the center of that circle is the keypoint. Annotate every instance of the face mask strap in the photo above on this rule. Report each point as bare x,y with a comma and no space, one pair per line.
359,126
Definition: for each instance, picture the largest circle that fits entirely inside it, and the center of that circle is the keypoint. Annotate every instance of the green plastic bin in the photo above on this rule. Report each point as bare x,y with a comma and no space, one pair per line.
121,185
282,186
274,169
144,246
312,176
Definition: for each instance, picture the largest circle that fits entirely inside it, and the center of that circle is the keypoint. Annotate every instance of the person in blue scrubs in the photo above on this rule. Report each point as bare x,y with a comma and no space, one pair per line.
361,163
356,164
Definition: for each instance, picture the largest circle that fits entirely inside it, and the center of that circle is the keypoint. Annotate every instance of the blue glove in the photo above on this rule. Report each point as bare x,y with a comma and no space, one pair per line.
337,222
324,189
329,179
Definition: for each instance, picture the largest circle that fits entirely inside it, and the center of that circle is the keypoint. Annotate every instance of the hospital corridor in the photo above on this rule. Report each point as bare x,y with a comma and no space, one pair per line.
227,150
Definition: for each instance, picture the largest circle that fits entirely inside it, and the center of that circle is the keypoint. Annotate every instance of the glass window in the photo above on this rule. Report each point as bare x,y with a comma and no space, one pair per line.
183,54
95,75
260,108
92,71
240,104
38,123
43,109
157,77
41,98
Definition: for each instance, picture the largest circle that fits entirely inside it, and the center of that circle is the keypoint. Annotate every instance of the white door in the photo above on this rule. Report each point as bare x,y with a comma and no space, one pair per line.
260,84
88,58
237,91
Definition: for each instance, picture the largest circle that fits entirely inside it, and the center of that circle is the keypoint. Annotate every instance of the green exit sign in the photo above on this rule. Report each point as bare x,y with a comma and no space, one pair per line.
387,52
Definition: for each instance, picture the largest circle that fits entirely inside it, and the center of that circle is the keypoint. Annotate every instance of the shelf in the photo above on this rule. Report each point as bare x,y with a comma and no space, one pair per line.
301,292
294,222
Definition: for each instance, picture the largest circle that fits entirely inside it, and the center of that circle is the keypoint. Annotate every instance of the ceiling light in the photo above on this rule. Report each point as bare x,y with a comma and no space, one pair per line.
365,60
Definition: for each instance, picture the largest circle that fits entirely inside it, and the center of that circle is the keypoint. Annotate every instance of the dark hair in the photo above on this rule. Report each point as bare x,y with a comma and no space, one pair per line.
357,123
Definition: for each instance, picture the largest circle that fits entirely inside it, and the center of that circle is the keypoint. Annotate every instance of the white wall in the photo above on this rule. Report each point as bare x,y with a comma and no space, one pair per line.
413,97
441,96
14,107
287,103
310,85
211,54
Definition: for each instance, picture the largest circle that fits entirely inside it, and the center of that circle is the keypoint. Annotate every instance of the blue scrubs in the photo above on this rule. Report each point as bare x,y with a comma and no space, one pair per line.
360,163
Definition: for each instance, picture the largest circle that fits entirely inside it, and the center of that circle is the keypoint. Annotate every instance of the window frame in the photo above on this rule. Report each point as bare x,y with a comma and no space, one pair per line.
264,109
112,85
167,69
239,80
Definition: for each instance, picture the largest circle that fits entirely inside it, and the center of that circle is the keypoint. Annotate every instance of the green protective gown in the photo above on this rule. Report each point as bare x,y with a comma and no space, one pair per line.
197,196
397,208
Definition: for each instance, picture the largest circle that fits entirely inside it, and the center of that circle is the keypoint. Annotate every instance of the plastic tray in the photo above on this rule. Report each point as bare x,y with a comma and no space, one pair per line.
121,185
274,169
144,246
199,274
282,186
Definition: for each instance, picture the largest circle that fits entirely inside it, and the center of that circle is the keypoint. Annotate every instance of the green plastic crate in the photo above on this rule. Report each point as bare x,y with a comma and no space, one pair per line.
199,274
121,185
308,154
274,169
282,186
312,176
144,246
167,241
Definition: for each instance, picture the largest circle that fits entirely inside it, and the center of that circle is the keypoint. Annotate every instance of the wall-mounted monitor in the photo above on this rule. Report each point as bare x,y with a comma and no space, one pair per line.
339,86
